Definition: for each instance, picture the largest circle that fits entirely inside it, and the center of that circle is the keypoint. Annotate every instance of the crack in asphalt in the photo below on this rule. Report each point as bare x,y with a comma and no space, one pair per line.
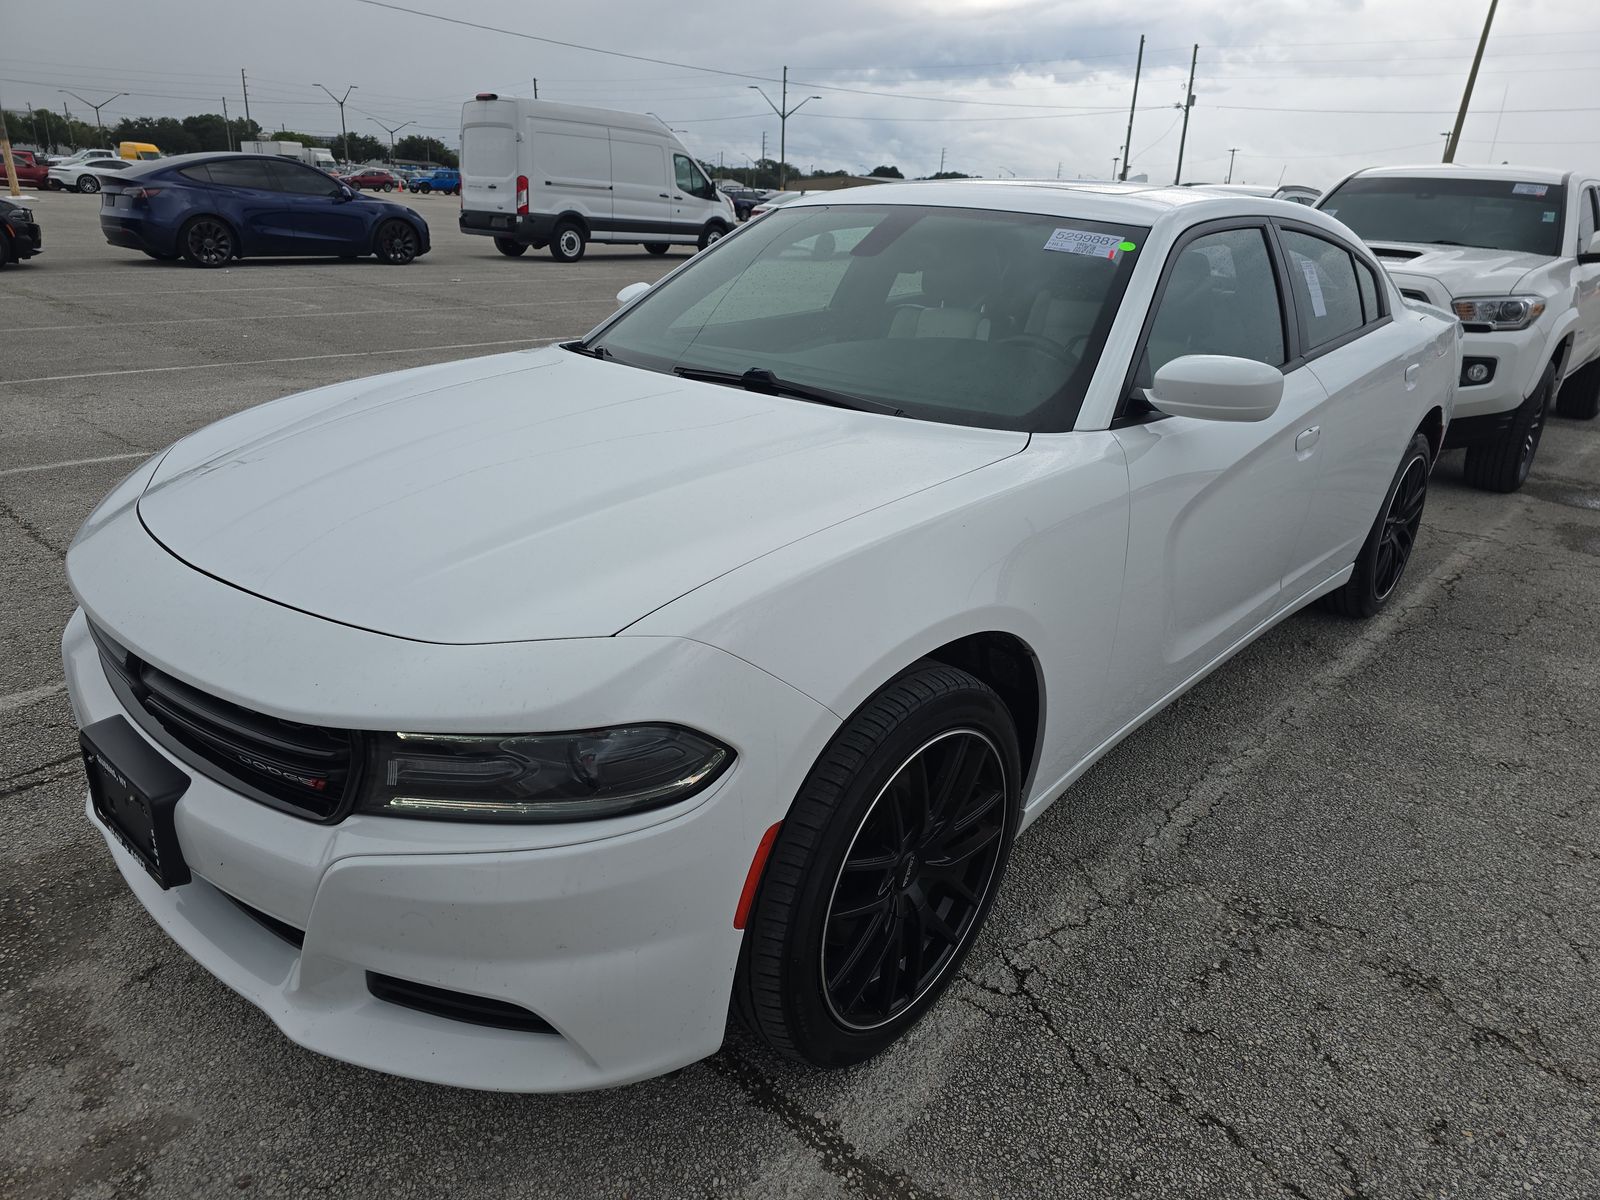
835,1153
29,530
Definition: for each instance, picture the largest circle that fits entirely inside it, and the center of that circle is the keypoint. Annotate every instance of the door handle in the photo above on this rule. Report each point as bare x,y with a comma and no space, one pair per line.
1307,440
1412,372
663,195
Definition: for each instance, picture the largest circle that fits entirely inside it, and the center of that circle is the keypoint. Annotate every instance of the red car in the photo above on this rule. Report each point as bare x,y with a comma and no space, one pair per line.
375,178
30,171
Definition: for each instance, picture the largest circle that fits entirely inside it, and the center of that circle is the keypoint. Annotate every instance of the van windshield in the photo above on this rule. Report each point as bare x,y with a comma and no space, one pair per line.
968,316
1494,214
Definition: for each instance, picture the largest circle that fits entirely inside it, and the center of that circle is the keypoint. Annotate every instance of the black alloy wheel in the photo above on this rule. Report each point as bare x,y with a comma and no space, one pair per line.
397,243
913,881
1384,555
207,242
883,870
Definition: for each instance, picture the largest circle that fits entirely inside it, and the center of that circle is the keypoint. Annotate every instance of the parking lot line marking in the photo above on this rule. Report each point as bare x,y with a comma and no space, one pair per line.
299,316
74,462
23,699
265,362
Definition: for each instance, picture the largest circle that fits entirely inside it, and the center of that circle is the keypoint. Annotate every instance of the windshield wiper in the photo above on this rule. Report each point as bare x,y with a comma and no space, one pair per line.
588,351
759,379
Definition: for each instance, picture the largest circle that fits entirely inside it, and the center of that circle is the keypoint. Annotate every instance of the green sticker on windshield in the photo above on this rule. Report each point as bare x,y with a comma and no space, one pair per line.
1127,246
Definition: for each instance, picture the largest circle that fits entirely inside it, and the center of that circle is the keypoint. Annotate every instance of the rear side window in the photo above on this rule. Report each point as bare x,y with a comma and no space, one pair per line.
200,173
1371,310
301,181
239,172
1220,298
1323,277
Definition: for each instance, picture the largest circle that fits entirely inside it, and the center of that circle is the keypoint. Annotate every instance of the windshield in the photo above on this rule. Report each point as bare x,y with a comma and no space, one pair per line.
967,316
1495,214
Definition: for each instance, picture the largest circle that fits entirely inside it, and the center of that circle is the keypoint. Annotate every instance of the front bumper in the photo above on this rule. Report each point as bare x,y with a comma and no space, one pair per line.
619,933
1519,360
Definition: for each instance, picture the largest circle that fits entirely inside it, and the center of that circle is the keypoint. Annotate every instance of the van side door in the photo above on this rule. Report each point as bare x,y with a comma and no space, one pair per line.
640,188
571,172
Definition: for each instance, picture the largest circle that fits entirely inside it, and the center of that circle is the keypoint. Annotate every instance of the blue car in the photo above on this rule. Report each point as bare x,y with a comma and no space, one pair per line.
212,208
440,179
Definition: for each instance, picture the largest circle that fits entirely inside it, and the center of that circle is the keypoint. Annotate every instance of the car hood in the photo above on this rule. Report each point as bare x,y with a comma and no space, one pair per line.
525,496
1460,270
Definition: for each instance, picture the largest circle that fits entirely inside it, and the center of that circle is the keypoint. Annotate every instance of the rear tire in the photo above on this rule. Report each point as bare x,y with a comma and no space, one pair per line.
510,247
396,243
1382,561
1579,398
657,248
568,242
1502,465
884,869
88,185
207,242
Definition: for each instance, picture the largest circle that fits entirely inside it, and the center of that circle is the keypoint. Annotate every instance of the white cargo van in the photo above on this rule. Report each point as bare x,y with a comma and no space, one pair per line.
537,173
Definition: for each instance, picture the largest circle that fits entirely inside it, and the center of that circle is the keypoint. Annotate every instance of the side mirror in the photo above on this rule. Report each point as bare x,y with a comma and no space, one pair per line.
346,192
1216,387
631,293
1592,253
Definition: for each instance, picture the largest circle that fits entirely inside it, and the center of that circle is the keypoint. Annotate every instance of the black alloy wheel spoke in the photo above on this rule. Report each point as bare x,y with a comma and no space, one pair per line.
918,873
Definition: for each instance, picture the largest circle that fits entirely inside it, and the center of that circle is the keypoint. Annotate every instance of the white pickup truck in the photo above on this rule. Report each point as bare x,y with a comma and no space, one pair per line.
1514,253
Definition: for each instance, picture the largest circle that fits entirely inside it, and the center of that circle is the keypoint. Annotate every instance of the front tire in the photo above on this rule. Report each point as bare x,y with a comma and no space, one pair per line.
714,232
207,242
388,187
510,247
1502,465
568,242
88,184
1387,550
424,188
884,870
396,243
1579,398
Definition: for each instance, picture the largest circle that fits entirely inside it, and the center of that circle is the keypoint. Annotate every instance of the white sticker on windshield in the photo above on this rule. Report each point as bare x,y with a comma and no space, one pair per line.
1319,306
1529,189
1081,241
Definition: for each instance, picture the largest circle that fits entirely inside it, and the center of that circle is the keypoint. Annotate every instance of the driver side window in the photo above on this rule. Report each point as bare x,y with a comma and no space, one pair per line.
689,180
1221,297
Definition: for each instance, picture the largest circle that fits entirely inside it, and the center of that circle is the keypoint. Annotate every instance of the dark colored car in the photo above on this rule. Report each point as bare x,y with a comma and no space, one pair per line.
440,179
32,170
744,199
210,208
19,234
375,179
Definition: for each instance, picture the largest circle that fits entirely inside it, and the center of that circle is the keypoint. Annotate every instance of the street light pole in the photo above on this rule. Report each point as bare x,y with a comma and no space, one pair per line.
93,105
344,133
784,113
391,130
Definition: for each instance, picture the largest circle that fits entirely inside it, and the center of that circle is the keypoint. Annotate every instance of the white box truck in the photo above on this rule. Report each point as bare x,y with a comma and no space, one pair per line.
312,156
538,173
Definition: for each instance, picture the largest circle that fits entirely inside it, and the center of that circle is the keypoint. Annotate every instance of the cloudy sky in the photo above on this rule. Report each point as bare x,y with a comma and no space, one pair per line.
1303,90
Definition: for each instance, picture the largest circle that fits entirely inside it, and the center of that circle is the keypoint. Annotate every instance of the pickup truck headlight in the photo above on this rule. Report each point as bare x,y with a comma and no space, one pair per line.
541,777
1498,312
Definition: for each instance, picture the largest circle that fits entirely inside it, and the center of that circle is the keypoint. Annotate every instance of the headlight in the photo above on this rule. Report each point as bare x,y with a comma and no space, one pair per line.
578,776
1499,312
23,214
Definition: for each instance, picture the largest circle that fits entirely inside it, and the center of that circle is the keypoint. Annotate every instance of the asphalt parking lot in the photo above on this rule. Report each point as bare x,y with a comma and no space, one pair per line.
1329,927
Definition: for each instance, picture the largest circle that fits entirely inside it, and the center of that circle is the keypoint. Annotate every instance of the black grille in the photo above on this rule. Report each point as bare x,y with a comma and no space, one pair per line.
456,1006
295,937
304,769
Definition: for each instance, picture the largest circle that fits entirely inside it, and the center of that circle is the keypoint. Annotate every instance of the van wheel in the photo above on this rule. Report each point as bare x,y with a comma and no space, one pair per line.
712,233
657,247
568,243
510,247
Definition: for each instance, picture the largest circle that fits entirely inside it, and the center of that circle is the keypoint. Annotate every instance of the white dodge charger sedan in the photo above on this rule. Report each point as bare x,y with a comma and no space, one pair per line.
506,723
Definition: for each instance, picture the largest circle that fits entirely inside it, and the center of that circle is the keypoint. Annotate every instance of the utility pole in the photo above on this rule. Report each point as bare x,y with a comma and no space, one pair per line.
1454,143
93,105
941,160
1232,150
244,85
392,130
227,126
535,89
344,134
1115,159
784,113
1188,103
1127,147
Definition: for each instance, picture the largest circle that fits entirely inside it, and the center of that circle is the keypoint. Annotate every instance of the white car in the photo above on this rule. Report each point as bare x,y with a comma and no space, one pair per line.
1514,252
502,722
86,176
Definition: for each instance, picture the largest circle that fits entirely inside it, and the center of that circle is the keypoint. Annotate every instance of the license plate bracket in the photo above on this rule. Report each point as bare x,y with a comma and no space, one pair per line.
135,793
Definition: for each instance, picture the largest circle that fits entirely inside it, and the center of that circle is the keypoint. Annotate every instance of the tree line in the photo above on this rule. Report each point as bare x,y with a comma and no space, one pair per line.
56,133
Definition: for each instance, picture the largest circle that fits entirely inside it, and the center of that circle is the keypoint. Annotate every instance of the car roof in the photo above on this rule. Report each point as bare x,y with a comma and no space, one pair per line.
1137,203
1467,171
184,160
